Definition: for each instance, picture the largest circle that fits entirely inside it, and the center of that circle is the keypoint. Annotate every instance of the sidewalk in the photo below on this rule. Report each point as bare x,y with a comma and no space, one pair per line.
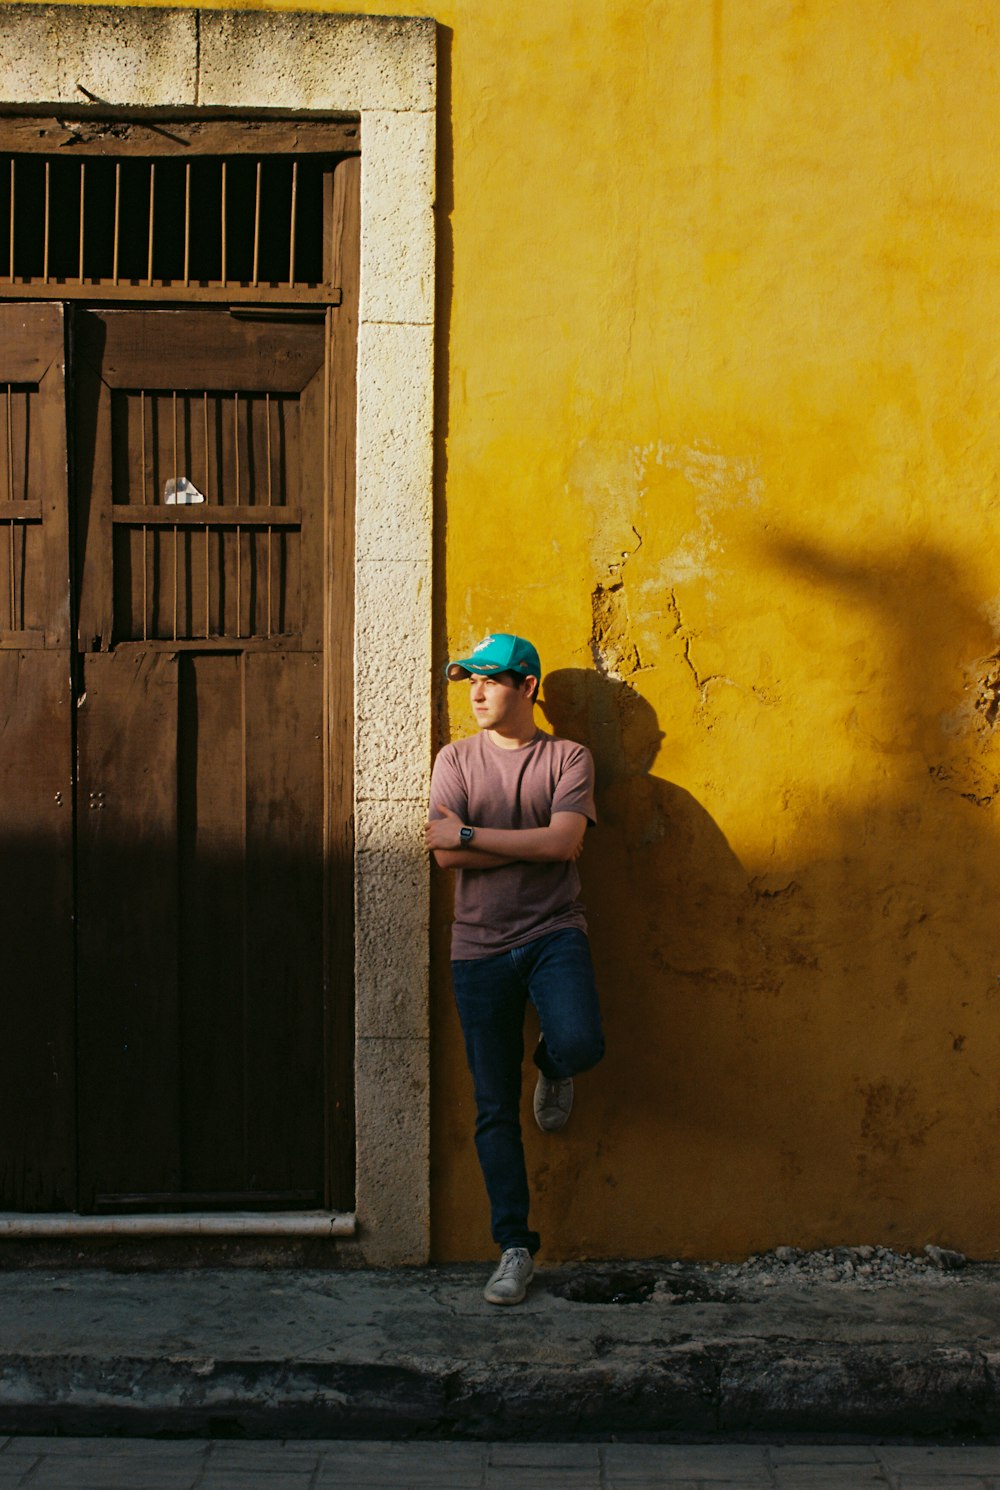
316,1354
145,1464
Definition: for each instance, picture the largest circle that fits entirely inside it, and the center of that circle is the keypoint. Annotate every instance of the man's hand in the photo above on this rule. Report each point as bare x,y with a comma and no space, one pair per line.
442,832
562,839
441,837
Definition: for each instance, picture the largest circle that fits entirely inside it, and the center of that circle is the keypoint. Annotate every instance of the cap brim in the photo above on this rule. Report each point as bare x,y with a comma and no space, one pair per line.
457,671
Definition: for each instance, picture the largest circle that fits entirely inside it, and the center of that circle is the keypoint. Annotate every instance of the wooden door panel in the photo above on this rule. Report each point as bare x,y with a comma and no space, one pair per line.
284,941
127,925
228,592
37,1139
37,1056
131,349
212,951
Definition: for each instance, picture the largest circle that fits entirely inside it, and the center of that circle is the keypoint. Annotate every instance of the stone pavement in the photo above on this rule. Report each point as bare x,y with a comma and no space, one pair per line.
148,1464
594,1353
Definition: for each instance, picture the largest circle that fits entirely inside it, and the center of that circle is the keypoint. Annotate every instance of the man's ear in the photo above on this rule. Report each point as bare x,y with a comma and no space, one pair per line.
533,692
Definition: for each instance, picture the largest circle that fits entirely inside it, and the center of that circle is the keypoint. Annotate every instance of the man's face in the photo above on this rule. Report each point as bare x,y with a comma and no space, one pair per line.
495,701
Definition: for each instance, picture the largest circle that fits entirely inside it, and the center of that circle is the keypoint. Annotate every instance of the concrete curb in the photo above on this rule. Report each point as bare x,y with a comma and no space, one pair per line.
404,1355
698,1392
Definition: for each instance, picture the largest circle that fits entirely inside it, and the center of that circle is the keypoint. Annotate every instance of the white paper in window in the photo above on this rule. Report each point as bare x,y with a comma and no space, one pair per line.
180,492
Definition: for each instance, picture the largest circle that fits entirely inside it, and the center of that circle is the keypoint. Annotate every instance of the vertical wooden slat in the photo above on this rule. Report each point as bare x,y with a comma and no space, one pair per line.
224,223
118,195
176,575
83,215
152,215
10,498
270,503
92,430
291,233
45,224
256,226
12,216
208,623
239,531
145,530
187,222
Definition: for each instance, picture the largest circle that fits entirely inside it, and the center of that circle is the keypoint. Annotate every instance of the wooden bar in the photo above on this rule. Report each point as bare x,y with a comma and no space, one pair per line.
10,498
256,226
152,212
28,511
46,221
145,530
170,134
187,222
9,463
206,492
223,208
270,528
213,293
239,530
83,213
214,515
22,641
280,642
12,220
118,194
291,241
176,577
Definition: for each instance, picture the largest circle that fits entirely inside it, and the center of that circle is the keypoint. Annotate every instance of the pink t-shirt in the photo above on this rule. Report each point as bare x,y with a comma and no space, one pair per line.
491,787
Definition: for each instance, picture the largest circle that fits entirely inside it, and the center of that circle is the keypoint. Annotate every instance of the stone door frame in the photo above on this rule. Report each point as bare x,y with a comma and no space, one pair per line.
382,69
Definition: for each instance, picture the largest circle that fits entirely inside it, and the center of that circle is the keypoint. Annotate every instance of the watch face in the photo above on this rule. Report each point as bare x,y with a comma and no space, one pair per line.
465,834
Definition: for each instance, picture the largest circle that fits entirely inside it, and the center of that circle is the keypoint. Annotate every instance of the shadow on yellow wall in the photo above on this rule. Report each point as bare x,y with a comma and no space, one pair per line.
801,1048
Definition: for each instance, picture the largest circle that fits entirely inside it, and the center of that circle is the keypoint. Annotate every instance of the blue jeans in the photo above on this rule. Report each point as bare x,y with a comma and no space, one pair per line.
556,973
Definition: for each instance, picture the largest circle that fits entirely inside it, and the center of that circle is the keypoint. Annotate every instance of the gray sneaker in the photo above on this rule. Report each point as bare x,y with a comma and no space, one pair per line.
553,1103
510,1282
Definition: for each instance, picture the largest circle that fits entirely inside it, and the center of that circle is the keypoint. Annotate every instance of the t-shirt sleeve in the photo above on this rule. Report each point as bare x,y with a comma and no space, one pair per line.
448,787
575,788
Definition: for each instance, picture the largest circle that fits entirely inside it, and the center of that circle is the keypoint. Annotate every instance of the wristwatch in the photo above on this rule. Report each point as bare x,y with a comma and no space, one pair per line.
466,835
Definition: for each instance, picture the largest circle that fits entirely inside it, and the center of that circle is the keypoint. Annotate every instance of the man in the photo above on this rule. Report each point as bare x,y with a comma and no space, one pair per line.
509,810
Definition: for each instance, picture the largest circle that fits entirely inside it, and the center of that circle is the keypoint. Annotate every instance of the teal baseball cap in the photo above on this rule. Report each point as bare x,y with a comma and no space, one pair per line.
498,653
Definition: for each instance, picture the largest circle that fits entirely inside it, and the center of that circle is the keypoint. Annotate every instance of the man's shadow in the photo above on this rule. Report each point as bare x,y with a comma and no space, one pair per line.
656,853
672,919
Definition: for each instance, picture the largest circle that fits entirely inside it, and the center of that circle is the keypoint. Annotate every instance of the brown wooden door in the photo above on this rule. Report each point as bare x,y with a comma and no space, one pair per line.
37,1132
200,725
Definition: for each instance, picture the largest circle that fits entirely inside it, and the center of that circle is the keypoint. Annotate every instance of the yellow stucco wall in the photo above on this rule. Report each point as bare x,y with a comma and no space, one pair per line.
721,338
723,363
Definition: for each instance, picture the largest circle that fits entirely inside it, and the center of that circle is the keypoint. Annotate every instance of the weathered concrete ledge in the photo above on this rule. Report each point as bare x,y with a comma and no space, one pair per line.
417,1353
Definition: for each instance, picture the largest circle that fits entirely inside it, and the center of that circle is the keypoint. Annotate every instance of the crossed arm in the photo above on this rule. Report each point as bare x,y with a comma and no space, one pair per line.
491,848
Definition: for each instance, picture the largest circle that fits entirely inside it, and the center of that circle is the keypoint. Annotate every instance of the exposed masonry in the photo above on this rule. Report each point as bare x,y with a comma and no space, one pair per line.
383,69
615,653
987,700
613,647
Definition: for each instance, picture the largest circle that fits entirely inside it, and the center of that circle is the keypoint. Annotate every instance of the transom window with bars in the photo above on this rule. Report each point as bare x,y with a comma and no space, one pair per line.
155,210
